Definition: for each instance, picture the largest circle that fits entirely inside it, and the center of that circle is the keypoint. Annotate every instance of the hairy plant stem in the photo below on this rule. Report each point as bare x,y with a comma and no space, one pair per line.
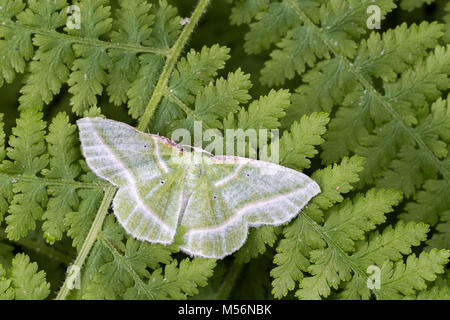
170,64
90,239
54,182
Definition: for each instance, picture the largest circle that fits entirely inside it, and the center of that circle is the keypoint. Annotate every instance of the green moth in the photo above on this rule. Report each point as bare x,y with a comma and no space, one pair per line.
215,199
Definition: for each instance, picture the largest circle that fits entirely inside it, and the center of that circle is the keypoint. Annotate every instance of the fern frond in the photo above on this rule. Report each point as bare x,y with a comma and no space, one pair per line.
326,256
196,70
50,66
434,196
63,148
132,24
382,92
165,30
23,281
299,239
98,256
179,280
244,11
126,267
78,222
5,183
6,292
402,279
121,267
297,146
99,55
434,293
41,182
350,82
270,26
391,244
387,119
16,47
264,113
360,107
217,100
345,223
89,69
440,290
410,5
434,128
193,72
440,238
342,22
28,156
257,241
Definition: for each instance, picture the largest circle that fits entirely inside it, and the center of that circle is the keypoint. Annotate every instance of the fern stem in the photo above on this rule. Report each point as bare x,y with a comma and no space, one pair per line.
84,41
90,239
228,284
51,182
170,64
372,91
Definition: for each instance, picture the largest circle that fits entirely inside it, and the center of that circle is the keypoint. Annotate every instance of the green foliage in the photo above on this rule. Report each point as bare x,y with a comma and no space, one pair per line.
299,44
193,72
120,56
405,278
27,158
298,144
23,281
50,66
413,4
245,11
439,291
122,271
345,224
217,100
291,257
48,166
364,112
62,147
387,92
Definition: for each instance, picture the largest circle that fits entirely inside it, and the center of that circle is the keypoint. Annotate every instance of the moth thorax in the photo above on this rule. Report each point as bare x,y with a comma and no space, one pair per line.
193,172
